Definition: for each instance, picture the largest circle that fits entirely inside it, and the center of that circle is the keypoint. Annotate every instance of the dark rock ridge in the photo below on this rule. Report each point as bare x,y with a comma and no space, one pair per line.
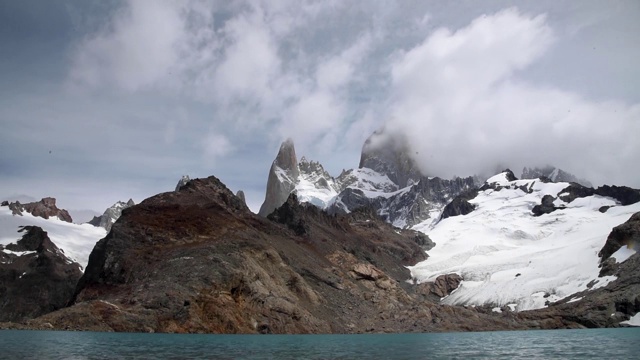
111,215
622,194
44,208
35,276
283,175
553,174
545,207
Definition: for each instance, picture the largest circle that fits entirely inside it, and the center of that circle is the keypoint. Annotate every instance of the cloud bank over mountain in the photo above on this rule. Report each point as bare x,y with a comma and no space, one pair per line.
134,94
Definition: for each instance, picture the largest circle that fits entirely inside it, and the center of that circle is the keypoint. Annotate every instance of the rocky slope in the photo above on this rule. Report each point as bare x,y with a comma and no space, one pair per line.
35,276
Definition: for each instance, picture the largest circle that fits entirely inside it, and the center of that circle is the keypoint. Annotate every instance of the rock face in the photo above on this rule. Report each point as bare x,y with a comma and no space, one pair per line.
35,277
627,234
44,208
554,174
111,215
427,196
545,207
282,179
240,195
623,194
460,205
441,287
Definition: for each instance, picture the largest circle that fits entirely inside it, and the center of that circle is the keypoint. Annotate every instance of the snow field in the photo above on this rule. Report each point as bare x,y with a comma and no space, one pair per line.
507,256
77,241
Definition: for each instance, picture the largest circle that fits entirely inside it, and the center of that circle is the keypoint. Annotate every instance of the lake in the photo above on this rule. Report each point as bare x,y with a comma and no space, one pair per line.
544,344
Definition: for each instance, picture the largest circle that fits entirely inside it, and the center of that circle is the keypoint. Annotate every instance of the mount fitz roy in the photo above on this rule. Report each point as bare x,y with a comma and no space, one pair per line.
379,248
386,180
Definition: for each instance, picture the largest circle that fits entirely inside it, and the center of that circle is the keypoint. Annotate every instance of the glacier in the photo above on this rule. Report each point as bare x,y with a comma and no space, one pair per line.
506,255
76,240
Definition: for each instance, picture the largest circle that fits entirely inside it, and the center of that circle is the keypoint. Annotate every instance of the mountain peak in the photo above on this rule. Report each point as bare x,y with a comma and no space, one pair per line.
110,215
283,176
286,158
389,154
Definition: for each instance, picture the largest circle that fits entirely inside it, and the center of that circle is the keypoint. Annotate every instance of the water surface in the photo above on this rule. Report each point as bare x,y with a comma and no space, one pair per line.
545,344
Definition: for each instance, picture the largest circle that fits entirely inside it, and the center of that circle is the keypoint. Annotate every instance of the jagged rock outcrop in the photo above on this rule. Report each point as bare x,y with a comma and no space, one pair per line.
182,182
389,154
35,276
111,215
44,208
553,174
441,287
282,179
623,194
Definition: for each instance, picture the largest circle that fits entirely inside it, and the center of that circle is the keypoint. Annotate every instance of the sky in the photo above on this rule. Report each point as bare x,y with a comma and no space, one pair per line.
103,101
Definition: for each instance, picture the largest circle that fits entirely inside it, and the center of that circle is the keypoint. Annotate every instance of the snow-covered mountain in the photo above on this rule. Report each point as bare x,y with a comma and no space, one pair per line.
508,256
387,181
75,240
111,214
516,243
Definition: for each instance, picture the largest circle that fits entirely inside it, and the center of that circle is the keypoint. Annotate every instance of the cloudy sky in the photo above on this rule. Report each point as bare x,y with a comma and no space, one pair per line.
108,100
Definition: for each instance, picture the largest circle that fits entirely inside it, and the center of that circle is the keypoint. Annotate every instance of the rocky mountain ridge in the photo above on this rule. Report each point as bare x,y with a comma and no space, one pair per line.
198,260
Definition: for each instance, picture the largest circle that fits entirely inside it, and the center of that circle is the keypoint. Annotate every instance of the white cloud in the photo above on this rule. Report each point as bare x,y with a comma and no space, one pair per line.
216,146
458,99
135,50
327,73
250,60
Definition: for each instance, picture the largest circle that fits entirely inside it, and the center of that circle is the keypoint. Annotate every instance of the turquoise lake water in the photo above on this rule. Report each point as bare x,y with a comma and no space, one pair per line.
551,344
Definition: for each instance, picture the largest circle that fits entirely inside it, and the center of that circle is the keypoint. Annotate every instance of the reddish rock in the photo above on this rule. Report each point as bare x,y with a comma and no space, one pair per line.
44,208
